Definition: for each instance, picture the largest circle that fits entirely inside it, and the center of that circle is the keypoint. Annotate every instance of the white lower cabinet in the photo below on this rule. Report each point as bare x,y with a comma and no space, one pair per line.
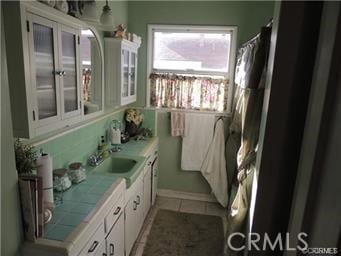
93,246
134,214
140,206
130,225
147,189
102,250
115,240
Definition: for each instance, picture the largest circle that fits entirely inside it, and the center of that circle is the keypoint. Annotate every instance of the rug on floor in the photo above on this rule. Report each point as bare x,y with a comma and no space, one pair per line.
185,234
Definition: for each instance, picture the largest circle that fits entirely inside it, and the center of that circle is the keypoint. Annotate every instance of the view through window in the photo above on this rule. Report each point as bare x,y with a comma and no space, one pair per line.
190,66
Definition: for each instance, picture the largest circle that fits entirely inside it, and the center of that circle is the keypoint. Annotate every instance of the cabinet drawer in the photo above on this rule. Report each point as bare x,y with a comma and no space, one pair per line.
95,243
114,213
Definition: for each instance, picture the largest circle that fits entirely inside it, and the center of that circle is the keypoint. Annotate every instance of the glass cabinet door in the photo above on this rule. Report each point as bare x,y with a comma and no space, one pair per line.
125,81
68,72
44,62
132,73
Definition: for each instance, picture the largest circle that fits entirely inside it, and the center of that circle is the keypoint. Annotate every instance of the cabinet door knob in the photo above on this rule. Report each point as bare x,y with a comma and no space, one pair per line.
117,211
93,246
112,249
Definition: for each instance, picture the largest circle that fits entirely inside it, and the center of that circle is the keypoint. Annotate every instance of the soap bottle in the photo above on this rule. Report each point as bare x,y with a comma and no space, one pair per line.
102,145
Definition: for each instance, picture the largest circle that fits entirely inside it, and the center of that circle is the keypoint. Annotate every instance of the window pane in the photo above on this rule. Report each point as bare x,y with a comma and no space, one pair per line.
191,51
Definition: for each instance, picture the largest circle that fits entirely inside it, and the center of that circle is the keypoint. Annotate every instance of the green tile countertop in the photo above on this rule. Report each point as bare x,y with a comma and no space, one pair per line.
77,203
81,199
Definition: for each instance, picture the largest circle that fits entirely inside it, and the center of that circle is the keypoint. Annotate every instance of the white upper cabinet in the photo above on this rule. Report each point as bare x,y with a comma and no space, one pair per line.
120,71
44,67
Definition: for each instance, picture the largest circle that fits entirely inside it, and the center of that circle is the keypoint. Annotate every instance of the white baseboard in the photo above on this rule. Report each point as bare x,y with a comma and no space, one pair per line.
186,195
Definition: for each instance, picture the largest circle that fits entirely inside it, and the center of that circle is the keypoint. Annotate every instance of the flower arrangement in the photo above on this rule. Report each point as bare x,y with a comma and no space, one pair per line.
135,116
134,119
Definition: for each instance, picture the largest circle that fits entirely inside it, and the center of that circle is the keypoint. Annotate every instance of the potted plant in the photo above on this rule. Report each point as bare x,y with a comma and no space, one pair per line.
25,157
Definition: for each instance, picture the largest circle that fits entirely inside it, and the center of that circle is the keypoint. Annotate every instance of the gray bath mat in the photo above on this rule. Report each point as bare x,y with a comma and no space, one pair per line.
185,234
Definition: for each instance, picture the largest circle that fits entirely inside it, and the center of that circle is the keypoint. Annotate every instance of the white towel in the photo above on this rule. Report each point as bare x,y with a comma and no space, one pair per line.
214,165
198,136
178,123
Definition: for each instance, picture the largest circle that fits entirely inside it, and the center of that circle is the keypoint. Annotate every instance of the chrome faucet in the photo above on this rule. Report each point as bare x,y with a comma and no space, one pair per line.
98,158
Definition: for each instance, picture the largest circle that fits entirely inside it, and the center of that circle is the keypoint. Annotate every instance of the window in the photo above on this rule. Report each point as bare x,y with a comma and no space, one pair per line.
190,67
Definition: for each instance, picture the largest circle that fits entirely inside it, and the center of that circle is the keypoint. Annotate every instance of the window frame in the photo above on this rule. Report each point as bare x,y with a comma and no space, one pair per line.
233,30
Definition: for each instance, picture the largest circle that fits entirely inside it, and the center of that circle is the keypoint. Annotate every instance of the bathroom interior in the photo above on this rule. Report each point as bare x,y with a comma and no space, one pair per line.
112,149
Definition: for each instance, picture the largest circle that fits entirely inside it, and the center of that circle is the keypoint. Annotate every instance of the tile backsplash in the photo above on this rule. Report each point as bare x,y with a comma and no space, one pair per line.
77,145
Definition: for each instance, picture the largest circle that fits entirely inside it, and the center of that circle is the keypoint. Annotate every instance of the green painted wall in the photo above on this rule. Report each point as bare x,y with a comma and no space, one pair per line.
11,235
119,10
248,16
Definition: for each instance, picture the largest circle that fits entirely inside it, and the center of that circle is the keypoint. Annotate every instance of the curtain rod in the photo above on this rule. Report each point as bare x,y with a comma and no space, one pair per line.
208,112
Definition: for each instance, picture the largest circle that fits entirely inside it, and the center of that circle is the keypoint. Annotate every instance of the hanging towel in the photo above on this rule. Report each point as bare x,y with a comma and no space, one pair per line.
214,165
177,123
198,136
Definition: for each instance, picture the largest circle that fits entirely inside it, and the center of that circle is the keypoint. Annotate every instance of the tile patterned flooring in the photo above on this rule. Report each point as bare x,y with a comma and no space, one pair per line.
174,204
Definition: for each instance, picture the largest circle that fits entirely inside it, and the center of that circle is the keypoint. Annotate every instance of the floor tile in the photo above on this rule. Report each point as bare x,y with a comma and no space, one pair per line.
192,206
168,203
215,209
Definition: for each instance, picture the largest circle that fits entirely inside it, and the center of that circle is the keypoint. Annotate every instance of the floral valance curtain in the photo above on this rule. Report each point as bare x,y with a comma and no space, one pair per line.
188,92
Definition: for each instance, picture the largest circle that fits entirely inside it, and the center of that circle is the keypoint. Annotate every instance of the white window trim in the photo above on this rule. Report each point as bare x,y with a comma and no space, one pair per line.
232,58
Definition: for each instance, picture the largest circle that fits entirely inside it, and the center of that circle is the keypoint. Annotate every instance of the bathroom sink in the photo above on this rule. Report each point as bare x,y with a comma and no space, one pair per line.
122,165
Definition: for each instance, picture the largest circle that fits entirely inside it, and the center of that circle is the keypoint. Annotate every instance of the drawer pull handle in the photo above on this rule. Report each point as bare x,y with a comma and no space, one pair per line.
104,254
117,211
112,249
135,206
139,200
93,246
